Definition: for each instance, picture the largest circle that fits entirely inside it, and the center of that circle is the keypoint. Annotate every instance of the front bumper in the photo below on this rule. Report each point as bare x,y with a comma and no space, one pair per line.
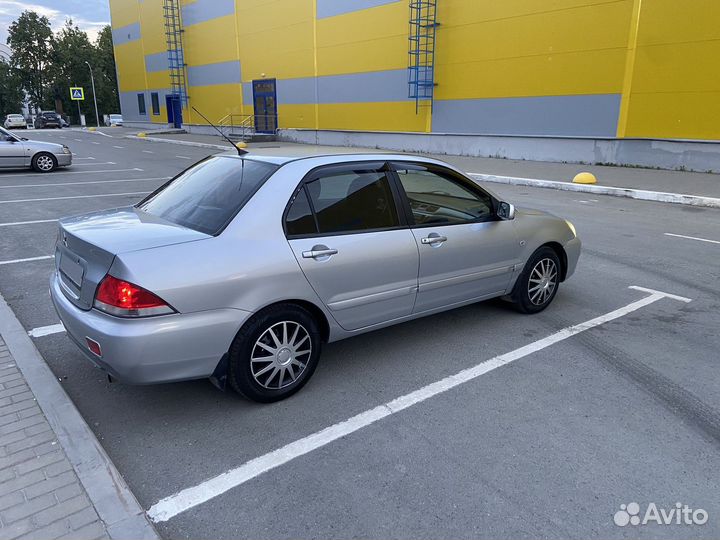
151,350
572,250
64,160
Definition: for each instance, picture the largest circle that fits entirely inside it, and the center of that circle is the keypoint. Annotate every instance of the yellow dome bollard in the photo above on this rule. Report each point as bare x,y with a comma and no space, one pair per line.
92,129
142,134
585,178
241,144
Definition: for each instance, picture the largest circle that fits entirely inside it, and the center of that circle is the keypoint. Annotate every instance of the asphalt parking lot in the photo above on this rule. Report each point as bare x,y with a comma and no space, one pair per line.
549,445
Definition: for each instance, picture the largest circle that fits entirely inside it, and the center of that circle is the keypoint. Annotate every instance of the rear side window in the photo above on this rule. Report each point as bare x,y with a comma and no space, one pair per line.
300,219
353,201
207,196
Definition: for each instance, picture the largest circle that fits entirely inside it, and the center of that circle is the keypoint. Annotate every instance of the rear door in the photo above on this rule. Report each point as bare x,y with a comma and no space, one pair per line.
355,250
466,252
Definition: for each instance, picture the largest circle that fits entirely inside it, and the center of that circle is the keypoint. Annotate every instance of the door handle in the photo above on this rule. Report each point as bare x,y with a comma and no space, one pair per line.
434,240
319,253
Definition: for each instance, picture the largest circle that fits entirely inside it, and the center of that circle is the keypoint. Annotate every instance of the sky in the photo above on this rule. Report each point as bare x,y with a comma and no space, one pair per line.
89,15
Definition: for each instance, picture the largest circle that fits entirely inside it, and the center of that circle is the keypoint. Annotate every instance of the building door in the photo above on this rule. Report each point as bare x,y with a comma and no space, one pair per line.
265,103
173,105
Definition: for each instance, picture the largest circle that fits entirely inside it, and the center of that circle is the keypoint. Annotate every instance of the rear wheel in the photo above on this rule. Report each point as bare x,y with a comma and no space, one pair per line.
274,354
44,162
538,284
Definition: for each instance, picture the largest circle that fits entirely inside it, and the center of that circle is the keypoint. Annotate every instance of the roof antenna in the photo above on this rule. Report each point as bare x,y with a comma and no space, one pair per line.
240,151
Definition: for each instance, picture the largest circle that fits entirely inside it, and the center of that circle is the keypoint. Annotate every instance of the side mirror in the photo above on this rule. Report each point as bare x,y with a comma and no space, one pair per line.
506,211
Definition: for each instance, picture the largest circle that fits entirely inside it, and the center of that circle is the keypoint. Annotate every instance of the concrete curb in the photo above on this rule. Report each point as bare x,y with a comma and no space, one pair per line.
182,143
640,194
115,504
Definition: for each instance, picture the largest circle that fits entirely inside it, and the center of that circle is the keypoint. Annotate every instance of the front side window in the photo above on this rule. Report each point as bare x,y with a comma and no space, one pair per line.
208,195
141,104
440,197
351,201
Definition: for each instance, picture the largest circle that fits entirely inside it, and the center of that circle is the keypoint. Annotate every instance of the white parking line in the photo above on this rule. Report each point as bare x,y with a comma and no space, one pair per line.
119,147
15,261
90,182
94,164
173,505
94,142
14,223
75,197
148,152
58,173
46,330
78,140
183,157
692,238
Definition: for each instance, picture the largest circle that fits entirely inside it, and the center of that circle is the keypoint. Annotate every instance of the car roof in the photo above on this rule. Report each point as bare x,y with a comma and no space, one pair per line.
316,160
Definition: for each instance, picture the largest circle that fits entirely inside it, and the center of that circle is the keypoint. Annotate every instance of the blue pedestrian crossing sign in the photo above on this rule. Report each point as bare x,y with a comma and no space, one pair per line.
77,93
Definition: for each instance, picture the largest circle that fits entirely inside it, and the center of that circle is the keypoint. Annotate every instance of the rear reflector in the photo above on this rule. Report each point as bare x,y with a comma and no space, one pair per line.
125,299
94,346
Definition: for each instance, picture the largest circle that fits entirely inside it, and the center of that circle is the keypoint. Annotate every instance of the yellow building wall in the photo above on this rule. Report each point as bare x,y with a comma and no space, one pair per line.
517,48
659,57
675,85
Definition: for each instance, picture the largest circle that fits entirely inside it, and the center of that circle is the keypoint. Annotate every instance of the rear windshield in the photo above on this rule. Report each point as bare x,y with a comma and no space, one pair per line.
208,195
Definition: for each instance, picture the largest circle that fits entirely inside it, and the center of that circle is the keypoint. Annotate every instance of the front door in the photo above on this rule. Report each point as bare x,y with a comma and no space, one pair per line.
265,103
346,234
12,151
466,252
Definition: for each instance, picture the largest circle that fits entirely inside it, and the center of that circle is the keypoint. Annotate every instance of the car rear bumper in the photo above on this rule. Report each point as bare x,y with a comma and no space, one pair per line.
151,350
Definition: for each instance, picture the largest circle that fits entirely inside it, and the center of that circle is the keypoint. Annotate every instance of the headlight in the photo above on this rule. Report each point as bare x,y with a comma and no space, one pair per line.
66,150
572,228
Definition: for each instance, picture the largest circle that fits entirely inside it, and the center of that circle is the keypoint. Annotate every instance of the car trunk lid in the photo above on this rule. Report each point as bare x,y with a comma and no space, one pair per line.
87,245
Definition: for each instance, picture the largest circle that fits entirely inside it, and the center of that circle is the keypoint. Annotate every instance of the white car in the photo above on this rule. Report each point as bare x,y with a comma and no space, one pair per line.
15,121
114,120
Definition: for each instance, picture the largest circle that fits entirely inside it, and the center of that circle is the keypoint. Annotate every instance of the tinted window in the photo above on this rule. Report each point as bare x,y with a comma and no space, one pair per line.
155,102
141,104
208,195
300,219
441,197
353,201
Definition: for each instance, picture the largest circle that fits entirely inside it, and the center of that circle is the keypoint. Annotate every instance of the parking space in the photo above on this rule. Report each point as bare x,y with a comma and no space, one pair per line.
548,445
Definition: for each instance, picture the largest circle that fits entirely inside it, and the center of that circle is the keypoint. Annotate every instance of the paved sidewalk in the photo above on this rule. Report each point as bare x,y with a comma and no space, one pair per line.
690,183
41,497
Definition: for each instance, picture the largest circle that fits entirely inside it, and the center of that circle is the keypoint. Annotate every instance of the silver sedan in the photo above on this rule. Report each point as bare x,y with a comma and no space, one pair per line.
241,267
19,152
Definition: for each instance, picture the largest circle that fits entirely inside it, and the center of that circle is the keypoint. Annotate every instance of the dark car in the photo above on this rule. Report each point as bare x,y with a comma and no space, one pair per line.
48,119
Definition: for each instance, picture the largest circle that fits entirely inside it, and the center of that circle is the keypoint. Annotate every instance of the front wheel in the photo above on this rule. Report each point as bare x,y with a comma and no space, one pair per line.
44,162
274,354
538,284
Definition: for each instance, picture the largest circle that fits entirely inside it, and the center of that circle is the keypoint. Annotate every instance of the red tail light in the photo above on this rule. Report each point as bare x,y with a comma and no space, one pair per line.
125,299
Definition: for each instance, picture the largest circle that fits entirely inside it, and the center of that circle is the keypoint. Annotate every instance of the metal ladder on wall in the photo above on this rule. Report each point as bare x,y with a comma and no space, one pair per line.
421,52
176,56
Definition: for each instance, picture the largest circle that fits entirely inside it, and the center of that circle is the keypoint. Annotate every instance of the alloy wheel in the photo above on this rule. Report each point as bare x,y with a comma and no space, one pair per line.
542,282
280,355
45,163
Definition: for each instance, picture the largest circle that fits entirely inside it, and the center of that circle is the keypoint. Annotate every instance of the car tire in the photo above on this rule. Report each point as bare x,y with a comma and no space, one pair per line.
44,162
538,284
269,359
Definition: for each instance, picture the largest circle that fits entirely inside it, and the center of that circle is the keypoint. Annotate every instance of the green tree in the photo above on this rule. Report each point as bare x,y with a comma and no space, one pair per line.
31,39
11,94
71,49
105,73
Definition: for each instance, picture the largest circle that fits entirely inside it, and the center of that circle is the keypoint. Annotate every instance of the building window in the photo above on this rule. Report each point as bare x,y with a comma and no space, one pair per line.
141,104
155,102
